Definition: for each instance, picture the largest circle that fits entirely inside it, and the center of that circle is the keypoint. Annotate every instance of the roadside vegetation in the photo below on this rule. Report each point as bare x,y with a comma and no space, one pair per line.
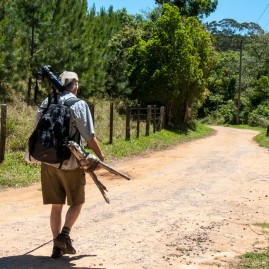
16,172
257,259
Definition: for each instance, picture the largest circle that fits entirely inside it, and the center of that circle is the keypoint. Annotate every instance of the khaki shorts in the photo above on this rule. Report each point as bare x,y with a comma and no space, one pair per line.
58,184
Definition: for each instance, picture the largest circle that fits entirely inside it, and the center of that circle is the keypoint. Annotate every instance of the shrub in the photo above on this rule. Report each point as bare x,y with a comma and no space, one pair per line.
260,115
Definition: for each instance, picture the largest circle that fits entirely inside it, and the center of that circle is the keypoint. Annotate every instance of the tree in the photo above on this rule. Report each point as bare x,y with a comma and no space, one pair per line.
222,86
100,76
66,35
60,33
32,16
2,54
117,82
224,81
195,8
44,33
171,63
228,33
11,44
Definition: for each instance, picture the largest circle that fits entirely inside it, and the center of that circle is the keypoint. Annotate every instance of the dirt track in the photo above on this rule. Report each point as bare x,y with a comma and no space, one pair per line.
192,206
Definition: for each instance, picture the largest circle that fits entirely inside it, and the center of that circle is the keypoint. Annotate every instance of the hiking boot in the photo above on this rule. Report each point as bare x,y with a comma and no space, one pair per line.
64,243
56,253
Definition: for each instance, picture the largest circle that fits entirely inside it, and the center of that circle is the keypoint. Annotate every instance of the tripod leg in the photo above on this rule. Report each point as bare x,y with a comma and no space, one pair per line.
100,186
112,170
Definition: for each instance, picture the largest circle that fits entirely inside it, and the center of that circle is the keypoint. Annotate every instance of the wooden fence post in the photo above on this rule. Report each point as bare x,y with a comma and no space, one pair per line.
111,124
128,119
138,121
162,117
154,118
3,132
148,119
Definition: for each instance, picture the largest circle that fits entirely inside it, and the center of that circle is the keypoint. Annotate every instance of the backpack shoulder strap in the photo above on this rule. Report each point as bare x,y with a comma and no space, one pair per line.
71,101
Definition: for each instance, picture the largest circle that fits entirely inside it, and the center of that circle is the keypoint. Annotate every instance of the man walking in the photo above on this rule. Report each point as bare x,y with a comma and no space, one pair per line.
68,182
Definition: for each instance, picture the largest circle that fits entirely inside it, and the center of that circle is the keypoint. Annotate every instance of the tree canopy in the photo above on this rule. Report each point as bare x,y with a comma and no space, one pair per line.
195,8
170,63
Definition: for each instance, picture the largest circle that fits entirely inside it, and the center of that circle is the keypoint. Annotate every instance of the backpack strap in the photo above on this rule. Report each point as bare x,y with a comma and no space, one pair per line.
55,95
51,96
68,103
71,101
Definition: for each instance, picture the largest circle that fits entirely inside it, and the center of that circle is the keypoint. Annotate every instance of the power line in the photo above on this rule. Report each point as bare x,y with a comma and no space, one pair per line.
266,25
263,12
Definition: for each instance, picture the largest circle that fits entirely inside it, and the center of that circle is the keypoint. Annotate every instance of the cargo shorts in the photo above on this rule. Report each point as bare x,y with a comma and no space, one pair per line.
59,185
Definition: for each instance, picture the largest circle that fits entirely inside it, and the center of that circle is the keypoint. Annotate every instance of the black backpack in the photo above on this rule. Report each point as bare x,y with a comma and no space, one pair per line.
49,139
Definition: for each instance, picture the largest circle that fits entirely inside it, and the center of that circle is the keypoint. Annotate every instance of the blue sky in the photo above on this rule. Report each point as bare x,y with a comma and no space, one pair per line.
243,11
132,6
239,10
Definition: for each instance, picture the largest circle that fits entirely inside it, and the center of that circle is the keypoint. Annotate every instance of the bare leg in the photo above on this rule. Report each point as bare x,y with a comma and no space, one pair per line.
72,215
56,219
63,244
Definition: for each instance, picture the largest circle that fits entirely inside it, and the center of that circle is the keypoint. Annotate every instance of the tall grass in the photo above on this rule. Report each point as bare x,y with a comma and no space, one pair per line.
102,121
20,122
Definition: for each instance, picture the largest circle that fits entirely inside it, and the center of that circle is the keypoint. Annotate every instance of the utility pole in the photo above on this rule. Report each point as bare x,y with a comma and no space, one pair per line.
239,85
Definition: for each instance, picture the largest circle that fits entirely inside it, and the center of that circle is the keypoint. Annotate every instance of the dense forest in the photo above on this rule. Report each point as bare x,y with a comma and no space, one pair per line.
217,71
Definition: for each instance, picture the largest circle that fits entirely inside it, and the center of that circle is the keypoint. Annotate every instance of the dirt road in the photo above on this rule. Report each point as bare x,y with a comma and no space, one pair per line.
192,206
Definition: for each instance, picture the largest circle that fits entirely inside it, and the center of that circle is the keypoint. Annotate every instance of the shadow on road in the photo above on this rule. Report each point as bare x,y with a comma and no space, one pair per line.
41,262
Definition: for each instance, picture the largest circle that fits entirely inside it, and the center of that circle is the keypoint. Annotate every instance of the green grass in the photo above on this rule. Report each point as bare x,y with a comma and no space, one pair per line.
155,141
15,172
262,225
262,139
256,260
252,260
247,127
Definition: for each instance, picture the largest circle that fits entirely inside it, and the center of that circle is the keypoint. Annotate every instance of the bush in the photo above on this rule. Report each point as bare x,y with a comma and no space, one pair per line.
260,115
225,114
229,112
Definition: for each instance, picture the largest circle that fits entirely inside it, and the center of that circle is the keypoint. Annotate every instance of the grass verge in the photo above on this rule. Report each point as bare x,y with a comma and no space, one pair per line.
258,259
253,260
16,172
157,141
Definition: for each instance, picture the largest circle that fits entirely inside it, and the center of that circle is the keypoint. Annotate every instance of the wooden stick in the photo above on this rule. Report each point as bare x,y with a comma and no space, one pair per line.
89,163
99,184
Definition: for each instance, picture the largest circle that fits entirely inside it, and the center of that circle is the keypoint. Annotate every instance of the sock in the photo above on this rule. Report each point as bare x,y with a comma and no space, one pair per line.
65,231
